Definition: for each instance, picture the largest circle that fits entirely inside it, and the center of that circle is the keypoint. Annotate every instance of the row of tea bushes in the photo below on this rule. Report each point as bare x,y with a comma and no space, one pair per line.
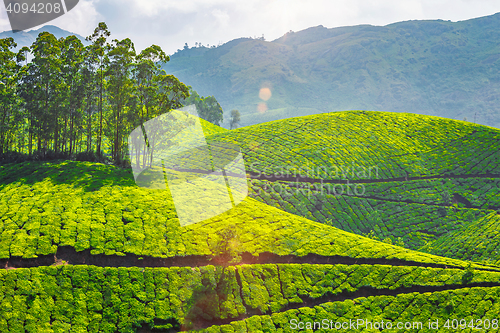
402,146
270,287
415,223
38,218
95,299
464,310
478,192
474,154
478,241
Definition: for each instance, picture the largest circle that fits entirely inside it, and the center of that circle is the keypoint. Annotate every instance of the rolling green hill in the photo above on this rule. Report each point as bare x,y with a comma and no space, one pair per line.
392,175
85,249
45,208
440,68
376,145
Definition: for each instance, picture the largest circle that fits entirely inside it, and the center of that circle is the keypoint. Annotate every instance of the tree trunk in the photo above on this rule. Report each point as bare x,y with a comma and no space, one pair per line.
99,136
89,126
71,135
3,130
117,135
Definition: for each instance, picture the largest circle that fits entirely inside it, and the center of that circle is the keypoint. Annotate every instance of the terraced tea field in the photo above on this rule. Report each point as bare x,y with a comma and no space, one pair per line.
406,146
84,249
451,182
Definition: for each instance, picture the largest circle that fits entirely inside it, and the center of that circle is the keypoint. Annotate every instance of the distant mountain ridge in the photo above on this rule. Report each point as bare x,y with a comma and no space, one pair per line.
433,67
26,38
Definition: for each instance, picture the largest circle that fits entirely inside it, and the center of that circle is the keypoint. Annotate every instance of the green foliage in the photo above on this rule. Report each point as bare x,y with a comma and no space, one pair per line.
400,242
468,274
208,108
209,128
9,74
472,305
474,241
97,299
472,192
378,211
413,210
446,198
371,235
49,104
226,244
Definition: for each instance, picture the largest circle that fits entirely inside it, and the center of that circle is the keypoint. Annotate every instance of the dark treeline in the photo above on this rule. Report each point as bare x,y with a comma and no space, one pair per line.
60,98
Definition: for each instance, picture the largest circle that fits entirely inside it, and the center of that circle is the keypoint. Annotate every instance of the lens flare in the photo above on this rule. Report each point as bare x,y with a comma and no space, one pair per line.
265,94
262,107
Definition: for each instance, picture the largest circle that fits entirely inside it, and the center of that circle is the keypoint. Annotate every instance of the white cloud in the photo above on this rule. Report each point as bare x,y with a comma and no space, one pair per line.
81,20
222,17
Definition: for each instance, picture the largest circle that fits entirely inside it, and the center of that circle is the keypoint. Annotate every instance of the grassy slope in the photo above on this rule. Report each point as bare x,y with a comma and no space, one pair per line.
209,128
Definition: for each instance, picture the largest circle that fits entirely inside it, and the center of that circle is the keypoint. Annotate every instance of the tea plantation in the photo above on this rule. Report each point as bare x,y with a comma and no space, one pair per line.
97,299
413,238
439,185
398,145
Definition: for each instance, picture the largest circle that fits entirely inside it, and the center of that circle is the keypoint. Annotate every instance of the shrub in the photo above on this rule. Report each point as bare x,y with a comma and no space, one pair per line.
468,274
90,157
226,244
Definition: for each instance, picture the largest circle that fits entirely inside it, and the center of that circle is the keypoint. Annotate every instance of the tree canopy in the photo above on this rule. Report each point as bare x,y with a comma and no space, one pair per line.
72,99
208,107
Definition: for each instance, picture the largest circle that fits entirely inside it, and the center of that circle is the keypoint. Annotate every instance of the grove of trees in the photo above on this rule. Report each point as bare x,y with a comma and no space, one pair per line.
61,98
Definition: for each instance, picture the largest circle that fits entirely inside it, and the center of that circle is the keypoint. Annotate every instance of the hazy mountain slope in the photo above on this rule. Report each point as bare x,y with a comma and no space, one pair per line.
26,38
448,69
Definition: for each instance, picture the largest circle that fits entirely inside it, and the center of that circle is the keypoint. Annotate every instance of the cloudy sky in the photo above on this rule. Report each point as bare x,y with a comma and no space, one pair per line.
171,23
